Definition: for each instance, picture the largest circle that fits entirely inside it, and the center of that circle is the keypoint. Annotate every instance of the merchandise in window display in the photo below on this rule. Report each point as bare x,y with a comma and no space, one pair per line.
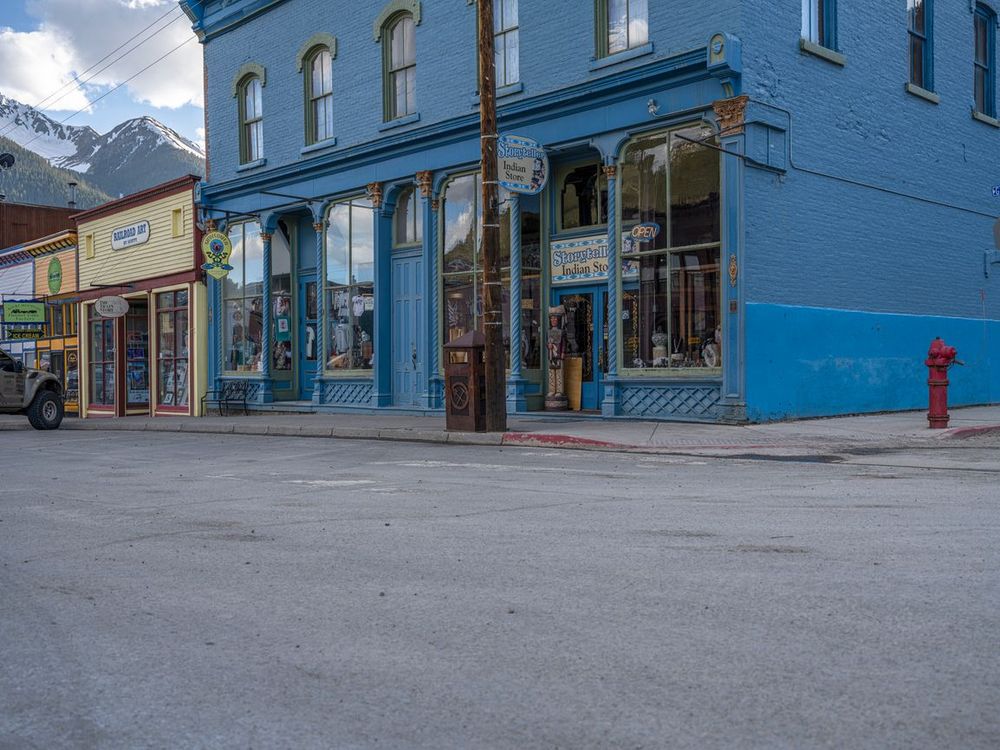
555,399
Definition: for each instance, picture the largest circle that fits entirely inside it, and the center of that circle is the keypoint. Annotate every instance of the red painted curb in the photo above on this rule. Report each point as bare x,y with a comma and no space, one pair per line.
536,438
960,433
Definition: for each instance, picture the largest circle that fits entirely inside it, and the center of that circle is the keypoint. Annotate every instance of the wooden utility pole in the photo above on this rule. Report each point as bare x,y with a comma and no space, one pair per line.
496,411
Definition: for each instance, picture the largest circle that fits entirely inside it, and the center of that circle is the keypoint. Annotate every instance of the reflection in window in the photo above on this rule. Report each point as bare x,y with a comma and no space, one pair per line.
627,24
584,197
172,348
242,291
506,43
251,121
320,89
350,285
400,68
671,284
281,300
984,31
102,359
409,224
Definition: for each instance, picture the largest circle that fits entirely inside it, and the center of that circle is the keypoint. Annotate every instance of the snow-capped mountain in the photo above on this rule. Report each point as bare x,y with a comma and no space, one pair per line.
135,155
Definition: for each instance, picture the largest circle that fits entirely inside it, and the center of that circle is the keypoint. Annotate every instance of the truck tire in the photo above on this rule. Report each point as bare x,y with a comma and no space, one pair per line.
46,411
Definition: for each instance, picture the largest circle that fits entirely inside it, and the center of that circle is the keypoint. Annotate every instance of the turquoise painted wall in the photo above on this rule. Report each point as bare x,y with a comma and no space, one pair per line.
811,361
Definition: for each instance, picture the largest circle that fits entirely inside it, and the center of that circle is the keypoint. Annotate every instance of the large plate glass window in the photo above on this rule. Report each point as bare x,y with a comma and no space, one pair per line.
281,300
137,353
350,285
622,25
242,291
506,43
671,291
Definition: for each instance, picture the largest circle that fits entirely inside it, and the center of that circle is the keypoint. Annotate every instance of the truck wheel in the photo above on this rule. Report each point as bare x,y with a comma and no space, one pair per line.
46,411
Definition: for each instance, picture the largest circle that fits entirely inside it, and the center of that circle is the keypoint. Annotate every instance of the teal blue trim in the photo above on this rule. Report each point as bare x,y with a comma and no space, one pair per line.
390,10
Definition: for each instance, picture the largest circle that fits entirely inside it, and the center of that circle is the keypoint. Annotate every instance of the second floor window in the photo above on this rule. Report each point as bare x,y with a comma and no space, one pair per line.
818,22
506,46
984,67
622,24
400,68
320,91
920,18
251,121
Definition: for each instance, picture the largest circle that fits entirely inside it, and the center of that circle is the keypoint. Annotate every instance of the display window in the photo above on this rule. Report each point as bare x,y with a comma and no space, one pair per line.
243,303
282,340
350,285
670,275
172,353
137,354
583,197
102,359
462,266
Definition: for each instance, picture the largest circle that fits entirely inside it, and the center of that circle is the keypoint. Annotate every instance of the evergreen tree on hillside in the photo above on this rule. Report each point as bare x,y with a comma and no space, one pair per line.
33,180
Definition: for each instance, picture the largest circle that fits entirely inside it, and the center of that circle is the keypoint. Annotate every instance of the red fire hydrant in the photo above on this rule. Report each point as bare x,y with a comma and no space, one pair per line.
940,357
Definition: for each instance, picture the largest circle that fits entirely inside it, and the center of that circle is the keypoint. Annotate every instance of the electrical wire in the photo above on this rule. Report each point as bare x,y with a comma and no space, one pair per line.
79,81
113,89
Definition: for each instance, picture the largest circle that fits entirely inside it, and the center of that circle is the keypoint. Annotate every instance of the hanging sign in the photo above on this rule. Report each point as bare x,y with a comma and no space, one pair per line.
133,234
55,275
24,312
111,307
217,247
522,165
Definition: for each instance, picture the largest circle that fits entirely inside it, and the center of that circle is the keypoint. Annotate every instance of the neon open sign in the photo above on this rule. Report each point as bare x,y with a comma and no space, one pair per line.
645,232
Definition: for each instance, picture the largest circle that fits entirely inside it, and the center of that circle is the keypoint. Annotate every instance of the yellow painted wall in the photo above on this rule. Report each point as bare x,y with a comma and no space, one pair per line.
162,255
68,260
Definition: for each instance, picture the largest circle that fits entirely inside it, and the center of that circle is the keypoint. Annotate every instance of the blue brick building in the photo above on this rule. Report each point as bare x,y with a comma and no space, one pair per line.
758,211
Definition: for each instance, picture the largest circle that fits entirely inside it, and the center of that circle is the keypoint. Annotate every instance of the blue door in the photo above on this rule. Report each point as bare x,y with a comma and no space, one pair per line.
586,339
307,329
407,328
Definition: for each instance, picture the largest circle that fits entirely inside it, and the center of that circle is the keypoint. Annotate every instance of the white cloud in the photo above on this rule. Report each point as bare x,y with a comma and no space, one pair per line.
199,138
66,45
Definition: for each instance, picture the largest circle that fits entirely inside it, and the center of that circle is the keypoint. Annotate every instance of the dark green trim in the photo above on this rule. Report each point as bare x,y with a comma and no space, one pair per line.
392,9
245,71
308,47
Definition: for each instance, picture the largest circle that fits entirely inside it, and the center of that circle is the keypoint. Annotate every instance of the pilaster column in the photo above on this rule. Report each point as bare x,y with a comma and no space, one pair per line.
515,383
382,370
609,406
265,332
319,227
434,260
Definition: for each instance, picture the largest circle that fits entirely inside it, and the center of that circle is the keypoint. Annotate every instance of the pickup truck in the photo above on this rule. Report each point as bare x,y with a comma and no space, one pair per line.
34,393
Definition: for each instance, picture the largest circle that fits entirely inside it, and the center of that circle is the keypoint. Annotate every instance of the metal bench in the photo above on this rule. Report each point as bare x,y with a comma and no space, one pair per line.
231,392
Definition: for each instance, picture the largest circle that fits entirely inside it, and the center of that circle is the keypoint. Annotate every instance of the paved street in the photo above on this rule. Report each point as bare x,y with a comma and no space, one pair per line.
182,590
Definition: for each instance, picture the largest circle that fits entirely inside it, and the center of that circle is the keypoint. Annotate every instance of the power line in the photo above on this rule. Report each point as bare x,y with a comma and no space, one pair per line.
112,89
79,81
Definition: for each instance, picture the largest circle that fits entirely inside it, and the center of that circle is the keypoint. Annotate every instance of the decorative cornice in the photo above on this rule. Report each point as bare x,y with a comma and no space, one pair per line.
322,39
435,203
731,113
393,8
249,69
426,181
374,191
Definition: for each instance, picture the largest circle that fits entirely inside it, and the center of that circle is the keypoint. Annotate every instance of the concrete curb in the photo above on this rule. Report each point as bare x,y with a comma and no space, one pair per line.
961,433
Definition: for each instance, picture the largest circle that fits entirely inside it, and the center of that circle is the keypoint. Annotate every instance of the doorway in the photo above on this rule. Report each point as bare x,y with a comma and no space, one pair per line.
407,327
586,326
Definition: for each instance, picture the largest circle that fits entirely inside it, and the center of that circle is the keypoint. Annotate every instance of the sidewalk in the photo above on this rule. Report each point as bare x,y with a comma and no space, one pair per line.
804,437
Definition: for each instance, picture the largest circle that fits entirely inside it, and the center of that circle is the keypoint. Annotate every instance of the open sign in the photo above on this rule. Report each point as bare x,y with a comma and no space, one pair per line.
645,232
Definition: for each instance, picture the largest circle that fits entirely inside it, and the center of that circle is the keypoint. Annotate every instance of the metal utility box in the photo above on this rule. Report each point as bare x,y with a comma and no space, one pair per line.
465,383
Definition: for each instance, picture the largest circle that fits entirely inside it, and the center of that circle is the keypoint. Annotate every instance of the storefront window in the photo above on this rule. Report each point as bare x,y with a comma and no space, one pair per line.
583,197
172,348
670,282
242,293
56,318
281,299
350,285
462,269
102,359
137,353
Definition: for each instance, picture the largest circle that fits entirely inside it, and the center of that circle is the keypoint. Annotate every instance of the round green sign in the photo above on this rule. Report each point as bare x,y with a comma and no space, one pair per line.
55,276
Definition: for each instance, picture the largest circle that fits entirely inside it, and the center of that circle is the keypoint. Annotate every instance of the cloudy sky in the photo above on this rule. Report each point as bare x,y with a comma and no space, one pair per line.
54,48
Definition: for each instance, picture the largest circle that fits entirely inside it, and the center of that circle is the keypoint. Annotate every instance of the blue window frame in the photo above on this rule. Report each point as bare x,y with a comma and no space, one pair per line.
819,22
920,15
984,64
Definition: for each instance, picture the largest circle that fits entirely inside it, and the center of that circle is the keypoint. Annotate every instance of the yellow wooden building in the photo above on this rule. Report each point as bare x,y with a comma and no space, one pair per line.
55,281
148,354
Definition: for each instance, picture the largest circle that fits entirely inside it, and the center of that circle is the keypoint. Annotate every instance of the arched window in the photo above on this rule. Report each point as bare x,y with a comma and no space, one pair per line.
409,221
400,67
984,65
251,120
319,95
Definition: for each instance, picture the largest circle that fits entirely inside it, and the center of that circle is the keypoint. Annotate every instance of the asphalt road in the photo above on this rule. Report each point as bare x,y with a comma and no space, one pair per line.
188,591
